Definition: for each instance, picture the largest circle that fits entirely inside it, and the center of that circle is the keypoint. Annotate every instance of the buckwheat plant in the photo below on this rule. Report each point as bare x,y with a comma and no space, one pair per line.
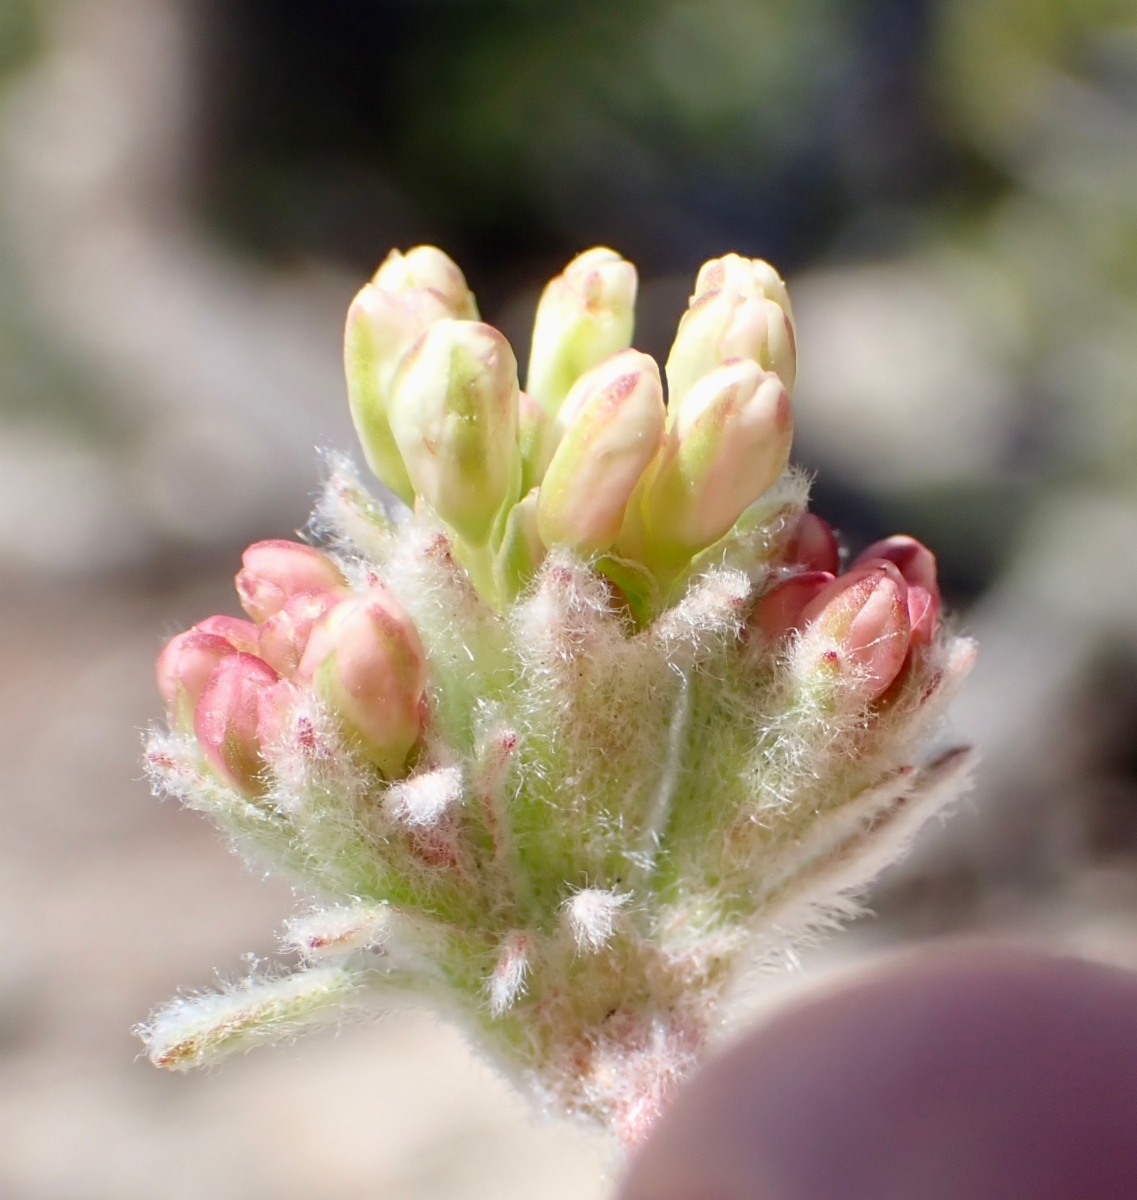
585,728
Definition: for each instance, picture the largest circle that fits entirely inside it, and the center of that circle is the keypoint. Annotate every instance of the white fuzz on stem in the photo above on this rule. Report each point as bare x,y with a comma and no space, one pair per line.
507,983
338,931
592,914
423,800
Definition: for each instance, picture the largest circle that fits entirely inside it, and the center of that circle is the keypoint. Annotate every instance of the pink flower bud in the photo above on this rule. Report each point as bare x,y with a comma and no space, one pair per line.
366,659
813,545
241,635
274,571
228,719
859,626
184,668
284,636
918,566
923,614
780,609
912,559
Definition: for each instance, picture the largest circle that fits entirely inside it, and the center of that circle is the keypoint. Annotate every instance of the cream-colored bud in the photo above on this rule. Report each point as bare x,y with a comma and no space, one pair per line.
428,267
748,276
453,414
522,551
585,315
728,444
381,328
612,423
726,324
533,440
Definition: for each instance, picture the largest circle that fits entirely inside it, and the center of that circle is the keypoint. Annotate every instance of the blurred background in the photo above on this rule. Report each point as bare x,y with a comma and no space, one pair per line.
190,193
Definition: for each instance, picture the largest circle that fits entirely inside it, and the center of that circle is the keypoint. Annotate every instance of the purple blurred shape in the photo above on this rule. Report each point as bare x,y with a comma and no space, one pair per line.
966,1073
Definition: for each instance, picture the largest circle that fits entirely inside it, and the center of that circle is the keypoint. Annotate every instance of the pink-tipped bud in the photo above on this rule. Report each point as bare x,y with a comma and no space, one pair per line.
780,610
275,571
430,268
241,635
183,669
284,636
453,414
612,422
813,545
918,566
365,657
228,719
748,276
585,315
859,626
728,444
381,327
723,325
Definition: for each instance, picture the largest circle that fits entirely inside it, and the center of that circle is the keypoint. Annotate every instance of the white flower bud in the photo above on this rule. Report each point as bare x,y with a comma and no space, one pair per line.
585,315
612,423
453,414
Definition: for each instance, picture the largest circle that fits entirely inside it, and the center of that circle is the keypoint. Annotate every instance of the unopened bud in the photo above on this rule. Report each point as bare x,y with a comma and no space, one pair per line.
228,719
454,416
533,438
273,572
747,276
585,315
241,635
912,559
729,443
428,267
813,545
858,627
918,566
284,636
366,659
522,551
612,424
780,610
183,669
381,327
723,325
923,614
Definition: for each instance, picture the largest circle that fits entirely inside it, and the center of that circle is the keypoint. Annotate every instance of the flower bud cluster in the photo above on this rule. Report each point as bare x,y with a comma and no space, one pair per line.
231,681
620,474
593,725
